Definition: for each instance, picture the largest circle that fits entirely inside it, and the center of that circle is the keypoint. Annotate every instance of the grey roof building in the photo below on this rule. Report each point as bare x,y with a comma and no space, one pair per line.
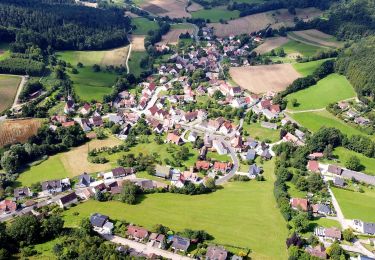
180,243
98,220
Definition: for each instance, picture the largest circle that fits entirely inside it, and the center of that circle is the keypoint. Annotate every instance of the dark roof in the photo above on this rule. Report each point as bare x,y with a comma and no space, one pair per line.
339,181
250,154
334,169
98,220
68,198
180,243
254,169
46,185
119,171
84,179
369,228
22,192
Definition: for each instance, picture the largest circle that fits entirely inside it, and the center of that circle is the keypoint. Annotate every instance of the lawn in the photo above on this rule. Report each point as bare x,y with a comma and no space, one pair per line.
90,85
295,47
135,62
87,58
294,192
356,205
8,90
315,120
216,14
143,26
344,154
219,157
261,133
331,89
308,68
243,214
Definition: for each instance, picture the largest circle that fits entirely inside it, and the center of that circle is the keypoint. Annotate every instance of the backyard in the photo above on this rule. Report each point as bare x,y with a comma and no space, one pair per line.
255,130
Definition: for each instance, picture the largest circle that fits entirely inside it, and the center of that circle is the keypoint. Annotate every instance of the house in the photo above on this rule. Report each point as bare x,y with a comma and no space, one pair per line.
216,253
69,106
250,154
51,187
235,91
219,147
236,143
101,223
339,182
313,166
202,165
328,233
180,243
264,104
364,227
122,172
222,167
137,233
7,206
85,194
293,139
163,172
192,136
315,156
268,125
317,251
275,109
265,154
177,180
21,193
190,116
215,124
207,141
67,200
190,175
299,134
321,209
299,204
254,171
334,169
268,114
86,109
175,139
84,180
157,240
361,120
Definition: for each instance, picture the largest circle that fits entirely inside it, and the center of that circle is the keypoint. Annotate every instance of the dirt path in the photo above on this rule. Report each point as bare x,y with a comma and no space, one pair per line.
128,57
19,90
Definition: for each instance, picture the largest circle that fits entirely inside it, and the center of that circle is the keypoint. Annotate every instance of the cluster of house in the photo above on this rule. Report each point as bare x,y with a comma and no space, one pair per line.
319,209
352,114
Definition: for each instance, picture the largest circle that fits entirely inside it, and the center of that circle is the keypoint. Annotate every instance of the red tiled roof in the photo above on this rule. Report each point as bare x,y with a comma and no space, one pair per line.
299,203
313,166
205,165
137,232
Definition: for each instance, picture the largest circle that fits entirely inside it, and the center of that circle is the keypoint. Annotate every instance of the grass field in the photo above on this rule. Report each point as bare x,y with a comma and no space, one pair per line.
256,131
4,50
331,89
356,205
315,120
344,154
308,68
315,38
216,14
143,25
8,90
298,48
135,62
241,214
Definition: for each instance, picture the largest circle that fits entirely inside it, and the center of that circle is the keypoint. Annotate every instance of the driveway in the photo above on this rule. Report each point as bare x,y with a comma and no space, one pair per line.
143,248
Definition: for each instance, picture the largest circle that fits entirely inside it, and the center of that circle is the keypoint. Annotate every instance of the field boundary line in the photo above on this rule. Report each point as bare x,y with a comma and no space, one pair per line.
298,39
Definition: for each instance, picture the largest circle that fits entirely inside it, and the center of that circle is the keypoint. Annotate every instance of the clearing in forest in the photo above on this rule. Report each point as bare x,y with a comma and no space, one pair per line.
260,79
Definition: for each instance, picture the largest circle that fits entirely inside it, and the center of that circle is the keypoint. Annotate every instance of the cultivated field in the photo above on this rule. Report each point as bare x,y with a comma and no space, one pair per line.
68,164
173,35
216,14
138,42
331,89
315,37
193,7
232,215
270,44
260,79
356,205
8,90
171,8
18,131
256,22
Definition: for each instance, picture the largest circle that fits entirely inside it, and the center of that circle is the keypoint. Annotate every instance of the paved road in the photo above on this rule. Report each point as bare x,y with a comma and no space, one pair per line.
143,248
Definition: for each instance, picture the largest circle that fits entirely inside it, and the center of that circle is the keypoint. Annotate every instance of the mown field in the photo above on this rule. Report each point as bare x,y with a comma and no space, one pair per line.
331,89
8,90
255,130
216,14
356,205
308,68
241,214
315,38
315,120
143,25
295,48
134,62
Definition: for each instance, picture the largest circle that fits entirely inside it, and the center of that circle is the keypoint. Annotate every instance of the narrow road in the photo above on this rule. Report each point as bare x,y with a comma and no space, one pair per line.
340,215
127,58
19,89
304,111
143,248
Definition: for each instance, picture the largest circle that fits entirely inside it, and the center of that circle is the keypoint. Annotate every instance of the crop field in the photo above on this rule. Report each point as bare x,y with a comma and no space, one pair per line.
241,214
114,57
260,79
138,42
8,90
18,131
308,68
216,14
143,26
331,89
171,8
172,37
256,22
315,37
315,120
356,205
67,164
270,44
193,7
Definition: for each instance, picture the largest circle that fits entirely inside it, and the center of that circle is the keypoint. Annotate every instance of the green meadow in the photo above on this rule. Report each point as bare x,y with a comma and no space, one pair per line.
255,130
308,68
216,14
356,205
135,62
295,47
143,26
331,89
242,214
4,48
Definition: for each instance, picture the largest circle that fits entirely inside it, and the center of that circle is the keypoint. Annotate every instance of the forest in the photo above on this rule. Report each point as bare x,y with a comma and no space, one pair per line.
62,25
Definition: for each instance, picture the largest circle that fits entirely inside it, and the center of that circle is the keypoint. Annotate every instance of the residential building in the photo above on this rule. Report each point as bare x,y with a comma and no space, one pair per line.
137,233
254,171
363,227
101,223
84,180
339,182
21,193
219,147
222,167
67,200
51,187
299,204
317,251
202,165
321,209
334,169
173,138
122,172
193,136
7,206
180,243
157,240
328,233
216,253
313,166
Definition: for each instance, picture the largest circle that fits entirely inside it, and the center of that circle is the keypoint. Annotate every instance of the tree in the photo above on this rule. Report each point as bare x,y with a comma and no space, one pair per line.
348,234
210,183
294,102
99,196
10,162
95,68
328,151
335,251
86,226
353,163
315,182
129,192
51,227
24,229
281,53
301,222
